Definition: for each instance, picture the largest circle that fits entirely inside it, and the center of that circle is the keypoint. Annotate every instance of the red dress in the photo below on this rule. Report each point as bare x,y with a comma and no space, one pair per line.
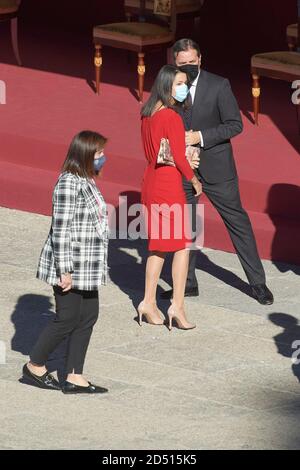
163,196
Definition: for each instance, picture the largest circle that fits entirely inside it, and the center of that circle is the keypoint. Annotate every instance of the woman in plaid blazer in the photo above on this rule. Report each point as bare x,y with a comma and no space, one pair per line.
74,262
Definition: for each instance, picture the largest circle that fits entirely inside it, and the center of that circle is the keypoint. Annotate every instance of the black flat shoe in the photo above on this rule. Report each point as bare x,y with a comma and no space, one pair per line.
46,381
70,388
262,294
189,292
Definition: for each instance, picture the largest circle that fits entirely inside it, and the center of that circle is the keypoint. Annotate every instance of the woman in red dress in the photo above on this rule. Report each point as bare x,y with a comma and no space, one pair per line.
163,196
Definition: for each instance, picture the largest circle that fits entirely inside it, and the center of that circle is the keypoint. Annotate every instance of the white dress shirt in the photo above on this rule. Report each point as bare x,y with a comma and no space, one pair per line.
192,93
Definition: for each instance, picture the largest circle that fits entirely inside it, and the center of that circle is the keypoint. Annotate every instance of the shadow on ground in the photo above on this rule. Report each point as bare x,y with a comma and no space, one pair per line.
30,316
288,341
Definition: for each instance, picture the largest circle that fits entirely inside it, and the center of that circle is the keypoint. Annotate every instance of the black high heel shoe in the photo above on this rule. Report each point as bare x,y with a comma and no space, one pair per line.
46,381
69,388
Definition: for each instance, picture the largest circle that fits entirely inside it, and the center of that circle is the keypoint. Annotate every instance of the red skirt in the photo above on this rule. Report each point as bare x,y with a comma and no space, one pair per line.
165,210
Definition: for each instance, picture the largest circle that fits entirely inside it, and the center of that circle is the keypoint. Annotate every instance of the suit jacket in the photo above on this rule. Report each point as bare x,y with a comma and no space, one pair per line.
216,114
78,239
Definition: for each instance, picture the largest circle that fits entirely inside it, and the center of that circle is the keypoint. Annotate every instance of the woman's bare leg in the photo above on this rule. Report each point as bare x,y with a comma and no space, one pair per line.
154,267
179,273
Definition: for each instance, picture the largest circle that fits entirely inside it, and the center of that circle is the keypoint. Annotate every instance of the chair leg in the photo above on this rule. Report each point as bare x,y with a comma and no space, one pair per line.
298,109
256,95
14,39
98,65
2,92
170,59
141,74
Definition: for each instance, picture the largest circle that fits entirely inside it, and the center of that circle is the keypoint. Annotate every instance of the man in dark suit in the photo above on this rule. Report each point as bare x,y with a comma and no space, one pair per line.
212,120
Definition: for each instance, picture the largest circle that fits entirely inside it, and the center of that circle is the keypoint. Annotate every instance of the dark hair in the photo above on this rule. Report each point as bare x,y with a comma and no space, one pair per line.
185,45
81,153
162,90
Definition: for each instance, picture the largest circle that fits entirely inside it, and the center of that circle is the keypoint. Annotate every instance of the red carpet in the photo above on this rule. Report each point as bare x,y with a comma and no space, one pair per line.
45,109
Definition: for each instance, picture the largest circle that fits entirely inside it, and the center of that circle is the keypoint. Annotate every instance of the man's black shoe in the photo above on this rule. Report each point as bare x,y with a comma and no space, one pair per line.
46,381
262,294
189,292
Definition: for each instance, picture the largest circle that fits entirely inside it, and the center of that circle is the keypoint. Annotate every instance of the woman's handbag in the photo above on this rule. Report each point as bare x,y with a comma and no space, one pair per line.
164,156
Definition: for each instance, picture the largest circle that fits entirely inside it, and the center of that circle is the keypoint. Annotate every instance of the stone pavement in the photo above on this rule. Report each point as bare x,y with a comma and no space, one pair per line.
228,384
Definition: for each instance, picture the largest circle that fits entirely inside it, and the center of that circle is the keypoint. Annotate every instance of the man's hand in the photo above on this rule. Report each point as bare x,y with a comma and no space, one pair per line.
192,138
65,282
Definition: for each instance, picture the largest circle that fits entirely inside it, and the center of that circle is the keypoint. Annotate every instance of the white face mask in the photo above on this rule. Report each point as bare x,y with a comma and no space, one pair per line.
181,92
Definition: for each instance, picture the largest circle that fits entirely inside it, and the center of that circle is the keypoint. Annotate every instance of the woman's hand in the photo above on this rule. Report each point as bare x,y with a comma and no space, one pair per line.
65,282
197,186
193,156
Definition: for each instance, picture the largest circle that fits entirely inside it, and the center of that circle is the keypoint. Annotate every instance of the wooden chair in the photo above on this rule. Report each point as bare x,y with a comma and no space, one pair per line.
184,9
292,34
283,65
9,12
155,29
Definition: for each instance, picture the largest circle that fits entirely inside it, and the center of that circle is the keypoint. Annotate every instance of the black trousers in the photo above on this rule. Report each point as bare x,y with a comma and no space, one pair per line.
225,197
76,313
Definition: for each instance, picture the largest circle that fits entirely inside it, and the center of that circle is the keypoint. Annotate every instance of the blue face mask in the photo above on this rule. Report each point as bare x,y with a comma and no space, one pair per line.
181,92
99,162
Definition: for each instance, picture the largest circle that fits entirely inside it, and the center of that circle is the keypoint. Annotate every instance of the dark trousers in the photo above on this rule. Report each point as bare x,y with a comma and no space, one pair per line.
225,197
76,314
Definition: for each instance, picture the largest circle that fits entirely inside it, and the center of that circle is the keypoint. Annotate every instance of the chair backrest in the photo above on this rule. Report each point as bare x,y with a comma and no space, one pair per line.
9,6
165,11
161,11
182,6
298,45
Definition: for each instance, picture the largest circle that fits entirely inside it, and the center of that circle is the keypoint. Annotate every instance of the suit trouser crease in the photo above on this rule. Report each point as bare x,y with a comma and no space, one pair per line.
225,197
76,314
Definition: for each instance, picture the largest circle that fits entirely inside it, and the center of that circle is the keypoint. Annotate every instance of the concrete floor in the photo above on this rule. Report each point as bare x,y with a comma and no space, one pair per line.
228,384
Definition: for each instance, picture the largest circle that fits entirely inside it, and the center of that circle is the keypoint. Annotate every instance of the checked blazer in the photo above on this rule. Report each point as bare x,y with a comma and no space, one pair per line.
78,239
